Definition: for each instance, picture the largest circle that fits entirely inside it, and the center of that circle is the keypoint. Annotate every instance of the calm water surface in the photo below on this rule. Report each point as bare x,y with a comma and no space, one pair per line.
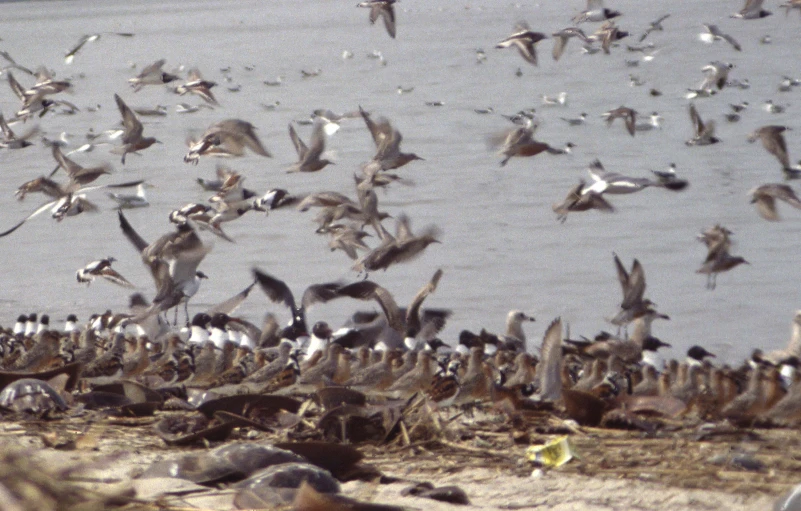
501,245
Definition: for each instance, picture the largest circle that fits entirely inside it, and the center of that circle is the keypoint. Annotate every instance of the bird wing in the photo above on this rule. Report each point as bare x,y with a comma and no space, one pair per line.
37,211
230,305
300,147
549,369
276,290
138,242
133,128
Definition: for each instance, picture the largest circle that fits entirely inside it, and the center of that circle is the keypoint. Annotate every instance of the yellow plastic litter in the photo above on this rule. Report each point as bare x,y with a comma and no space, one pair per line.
552,454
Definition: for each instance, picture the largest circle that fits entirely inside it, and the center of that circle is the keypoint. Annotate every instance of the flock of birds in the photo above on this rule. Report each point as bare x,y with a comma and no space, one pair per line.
396,350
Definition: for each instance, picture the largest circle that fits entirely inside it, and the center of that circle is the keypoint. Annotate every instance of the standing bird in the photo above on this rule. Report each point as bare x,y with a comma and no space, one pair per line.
132,139
101,268
524,40
309,157
765,196
384,9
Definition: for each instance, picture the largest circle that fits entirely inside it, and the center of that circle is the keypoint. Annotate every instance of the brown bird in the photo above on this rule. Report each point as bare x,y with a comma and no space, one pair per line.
773,141
132,139
628,115
384,9
764,196
195,84
226,138
524,40
78,175
309,157
387,140
577,200
518,142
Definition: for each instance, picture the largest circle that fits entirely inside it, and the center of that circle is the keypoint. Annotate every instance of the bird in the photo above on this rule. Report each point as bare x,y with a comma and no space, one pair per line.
634,305
608,33
772,138
595,12
612,182
173,260
518,142
78,175
577,121
561,38
71,54
764,196
578,201
195,84
226,138
524,40
717,75
132,139
718,258
309,156
751,10
11,140
713,33
628,115
35,99
152,74
405,246
384,9
387,141
102,268
704,133
128,201
655,25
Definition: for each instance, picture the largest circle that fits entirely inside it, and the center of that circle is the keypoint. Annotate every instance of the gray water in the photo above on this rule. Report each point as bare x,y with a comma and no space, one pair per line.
502,247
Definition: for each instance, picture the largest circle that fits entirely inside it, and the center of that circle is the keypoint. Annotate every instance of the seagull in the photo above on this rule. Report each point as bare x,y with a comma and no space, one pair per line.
704,132
612,182
132,139
654,122
752,10
655,25
152,75
524,40
559,100
764,196
172,260
139,200
628,115
384,9
101,268
226,138
772,138
309,157
578,121
89,38
713,34
717,73
595,12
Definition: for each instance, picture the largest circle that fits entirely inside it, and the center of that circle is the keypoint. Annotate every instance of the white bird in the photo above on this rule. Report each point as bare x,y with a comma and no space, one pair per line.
128,201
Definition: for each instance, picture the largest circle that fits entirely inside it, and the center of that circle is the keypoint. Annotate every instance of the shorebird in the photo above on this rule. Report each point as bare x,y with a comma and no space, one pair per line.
655,25
704,133
226,138
772,138
195,84
405,246
152,75
718,258
764,196
752,10
101,268
524,40
35,99
387,140
578,201
10,140
628,115
713,33
790,5
70,56
561,38
309,157
634,306
608,34
132,139
384,9
78,175
518,142
128,201
595,12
